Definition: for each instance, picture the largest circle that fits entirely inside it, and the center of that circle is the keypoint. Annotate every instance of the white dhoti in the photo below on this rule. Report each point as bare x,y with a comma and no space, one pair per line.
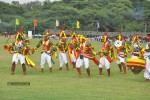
17,57
73,58
121,58
80,62
62,59
147,70
45,57
104,62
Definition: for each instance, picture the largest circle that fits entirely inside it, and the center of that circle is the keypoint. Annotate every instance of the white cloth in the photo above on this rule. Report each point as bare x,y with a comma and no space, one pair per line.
135,56
80,62
73,59
146,57
17,57
121,58
104,62
45,57
62,59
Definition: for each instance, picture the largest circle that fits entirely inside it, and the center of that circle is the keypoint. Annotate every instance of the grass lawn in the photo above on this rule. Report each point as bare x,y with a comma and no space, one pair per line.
65,85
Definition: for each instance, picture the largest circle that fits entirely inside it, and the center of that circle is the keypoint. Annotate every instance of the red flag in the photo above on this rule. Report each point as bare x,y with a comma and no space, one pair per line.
35,22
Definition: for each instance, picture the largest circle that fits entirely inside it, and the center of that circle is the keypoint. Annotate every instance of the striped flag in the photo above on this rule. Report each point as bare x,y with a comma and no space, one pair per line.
78,24
17,21
57,22
35,22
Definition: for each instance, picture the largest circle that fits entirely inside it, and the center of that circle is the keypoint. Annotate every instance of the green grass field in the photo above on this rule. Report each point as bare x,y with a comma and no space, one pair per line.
65,85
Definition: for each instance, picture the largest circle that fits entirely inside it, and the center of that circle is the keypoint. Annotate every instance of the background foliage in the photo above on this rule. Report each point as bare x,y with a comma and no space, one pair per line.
111,14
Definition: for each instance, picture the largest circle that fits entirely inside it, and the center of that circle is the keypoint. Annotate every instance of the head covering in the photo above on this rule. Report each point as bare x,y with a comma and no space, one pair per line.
105,37
148,37
62,34
20,35
73,35
47,33
136,37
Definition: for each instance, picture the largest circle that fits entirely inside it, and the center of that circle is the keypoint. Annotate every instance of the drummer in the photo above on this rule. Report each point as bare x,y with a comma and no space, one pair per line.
136,47
121,53
147,58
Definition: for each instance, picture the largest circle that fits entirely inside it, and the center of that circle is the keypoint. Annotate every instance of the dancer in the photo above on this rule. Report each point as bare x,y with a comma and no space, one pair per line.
121,53
62,49
147,58
45,54
106,55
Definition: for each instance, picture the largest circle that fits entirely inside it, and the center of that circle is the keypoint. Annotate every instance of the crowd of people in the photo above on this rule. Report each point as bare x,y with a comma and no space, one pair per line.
80,51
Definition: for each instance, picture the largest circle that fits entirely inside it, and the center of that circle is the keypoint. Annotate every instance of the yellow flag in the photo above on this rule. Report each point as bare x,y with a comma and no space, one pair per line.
17,21
78,24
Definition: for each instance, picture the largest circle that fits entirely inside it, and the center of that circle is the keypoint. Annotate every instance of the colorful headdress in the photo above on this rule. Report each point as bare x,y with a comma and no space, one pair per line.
62,33
120,37
148,37
73,34
136,37
20,35
47,33
105,37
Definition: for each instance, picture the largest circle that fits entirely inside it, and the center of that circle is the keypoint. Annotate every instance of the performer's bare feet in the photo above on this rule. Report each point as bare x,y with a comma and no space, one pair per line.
50,69
42,70
60,68
80,76
24,73
100,75
12,73
121,71
67,69
147,80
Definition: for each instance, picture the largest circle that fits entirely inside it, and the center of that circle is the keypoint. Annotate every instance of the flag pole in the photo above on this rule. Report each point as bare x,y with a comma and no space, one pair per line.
34,30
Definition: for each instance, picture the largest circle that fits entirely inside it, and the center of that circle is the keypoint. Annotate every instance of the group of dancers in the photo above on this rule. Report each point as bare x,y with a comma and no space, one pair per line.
79,51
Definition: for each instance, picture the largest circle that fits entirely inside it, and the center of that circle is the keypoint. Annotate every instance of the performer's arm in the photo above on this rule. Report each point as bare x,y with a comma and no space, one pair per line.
37,46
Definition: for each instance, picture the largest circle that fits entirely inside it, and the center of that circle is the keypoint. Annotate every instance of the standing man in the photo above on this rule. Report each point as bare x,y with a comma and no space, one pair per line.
17,48
106,54
72,49
137,48
121,53
45,54
81,56
147,58
62,49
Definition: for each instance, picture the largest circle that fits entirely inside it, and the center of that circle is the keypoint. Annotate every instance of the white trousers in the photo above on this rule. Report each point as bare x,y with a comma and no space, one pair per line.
45,57
147,70
104,62
17,57
80,62
73,59
62,59
121,60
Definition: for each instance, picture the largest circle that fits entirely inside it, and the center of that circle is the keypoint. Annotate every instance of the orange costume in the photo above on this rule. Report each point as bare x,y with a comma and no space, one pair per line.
45,54
106,55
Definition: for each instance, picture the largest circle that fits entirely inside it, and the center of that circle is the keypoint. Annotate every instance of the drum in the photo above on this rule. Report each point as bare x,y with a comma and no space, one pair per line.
136,65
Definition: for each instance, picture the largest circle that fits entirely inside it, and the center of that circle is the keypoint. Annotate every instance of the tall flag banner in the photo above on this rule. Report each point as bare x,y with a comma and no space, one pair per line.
78,24
57,22
17,21
98,26
0,21
35,22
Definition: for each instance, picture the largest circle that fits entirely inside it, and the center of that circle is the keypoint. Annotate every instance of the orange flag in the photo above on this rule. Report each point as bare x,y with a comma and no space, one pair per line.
35,22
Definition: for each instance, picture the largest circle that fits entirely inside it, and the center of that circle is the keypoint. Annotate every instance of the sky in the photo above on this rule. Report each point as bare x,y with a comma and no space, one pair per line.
24,1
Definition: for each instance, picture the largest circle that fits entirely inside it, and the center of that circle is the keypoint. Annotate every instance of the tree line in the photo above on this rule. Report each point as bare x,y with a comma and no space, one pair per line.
110,15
